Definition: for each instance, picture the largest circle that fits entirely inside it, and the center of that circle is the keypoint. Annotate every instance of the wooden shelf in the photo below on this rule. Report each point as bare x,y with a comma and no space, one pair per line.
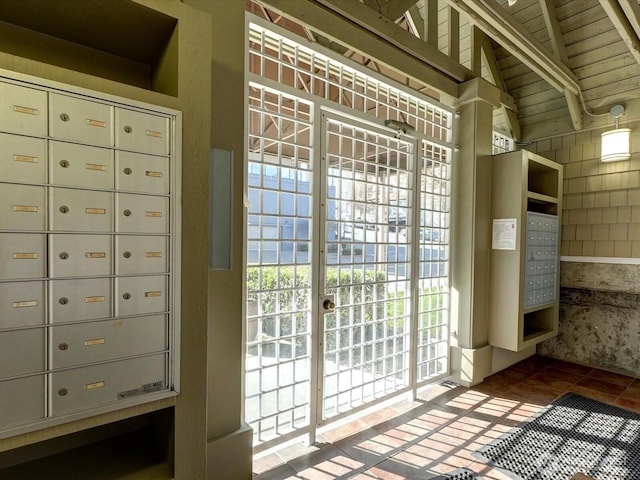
539,197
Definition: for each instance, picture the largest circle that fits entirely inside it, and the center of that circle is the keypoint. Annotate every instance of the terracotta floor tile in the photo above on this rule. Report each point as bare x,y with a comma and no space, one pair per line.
595,394
633,405
571,367
552,374
326,453
267,462
533,364
343,431
601,386
610,377
531,394
632,390
442,431
283,472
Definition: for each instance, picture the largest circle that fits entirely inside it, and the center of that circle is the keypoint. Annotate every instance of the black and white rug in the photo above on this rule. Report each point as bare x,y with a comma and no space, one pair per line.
573,434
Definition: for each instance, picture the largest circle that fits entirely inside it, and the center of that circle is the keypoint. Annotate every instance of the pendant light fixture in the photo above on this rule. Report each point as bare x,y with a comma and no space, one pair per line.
615,143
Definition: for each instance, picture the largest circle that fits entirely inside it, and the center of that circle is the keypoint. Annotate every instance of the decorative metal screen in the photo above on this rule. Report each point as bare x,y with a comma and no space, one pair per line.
357,237
433,261
279,274
367,266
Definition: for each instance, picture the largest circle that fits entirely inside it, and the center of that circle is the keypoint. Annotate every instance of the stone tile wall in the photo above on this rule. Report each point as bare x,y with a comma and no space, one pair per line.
599,317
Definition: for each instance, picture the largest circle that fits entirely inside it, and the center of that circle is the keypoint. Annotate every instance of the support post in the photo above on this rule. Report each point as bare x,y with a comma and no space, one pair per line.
471,232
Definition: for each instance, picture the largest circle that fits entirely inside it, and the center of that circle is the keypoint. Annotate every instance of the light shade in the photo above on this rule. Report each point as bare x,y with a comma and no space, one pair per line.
615,145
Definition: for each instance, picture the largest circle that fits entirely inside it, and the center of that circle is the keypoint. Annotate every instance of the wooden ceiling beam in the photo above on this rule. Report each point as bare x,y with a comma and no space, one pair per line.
370,44
557,43
377,24
496,22
427,26
394,9
632,11
507,103
617,12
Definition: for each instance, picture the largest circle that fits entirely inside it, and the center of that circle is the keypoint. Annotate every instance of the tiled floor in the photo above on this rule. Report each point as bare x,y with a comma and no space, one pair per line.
440,432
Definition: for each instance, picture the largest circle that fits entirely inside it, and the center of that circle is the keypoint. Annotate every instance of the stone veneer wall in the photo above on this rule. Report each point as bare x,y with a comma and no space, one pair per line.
599,317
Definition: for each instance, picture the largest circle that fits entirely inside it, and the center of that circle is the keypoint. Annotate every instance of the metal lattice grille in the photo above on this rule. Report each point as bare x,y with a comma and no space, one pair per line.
502,144
279,275
367,261
283,60
433,262
353,235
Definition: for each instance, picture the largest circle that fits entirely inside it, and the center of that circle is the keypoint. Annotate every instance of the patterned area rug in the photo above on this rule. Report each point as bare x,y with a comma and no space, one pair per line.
573,434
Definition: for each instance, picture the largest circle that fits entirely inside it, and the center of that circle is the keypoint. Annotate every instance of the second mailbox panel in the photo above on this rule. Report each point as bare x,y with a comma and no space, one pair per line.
81,210
80,255
142,132
22,207
86,299
22,256
22,304
22,400
137,172
74,345
141,295
22,159
84,121
80,166
142,213
141,254
86,387
15,358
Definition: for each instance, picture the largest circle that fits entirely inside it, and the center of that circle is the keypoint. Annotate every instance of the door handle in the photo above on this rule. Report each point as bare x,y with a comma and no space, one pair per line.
327,303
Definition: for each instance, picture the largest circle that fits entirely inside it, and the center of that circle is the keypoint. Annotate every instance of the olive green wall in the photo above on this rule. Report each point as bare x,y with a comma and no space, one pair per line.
191,50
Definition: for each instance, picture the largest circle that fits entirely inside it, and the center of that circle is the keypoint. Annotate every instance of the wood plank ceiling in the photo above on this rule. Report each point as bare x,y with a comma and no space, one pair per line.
558,62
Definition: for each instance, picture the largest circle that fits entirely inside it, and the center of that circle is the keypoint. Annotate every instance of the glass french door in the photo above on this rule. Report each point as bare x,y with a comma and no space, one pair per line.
366,225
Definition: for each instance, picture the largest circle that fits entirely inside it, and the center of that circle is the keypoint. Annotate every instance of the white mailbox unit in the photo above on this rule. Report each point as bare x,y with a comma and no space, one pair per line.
89,253
524,287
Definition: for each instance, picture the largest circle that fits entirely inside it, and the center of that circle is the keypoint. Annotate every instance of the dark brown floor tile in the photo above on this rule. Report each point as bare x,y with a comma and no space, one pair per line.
533,364
633,405
611,377
632,391
552,373
594,394
532,394
571,367
546,383
601,386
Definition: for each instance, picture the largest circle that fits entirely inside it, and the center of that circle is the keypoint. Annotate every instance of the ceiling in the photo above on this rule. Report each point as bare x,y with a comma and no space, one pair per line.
561,64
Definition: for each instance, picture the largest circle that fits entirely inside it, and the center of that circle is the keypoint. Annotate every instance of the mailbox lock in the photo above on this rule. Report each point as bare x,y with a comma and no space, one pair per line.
127,213
62,392
64,163
128,129
126,254
126,296
127,171
328,304
63,301
63,346
64,117
64,255
64,209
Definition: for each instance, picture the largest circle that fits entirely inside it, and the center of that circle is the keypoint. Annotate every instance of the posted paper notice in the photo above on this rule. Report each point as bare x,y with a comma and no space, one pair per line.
504,233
